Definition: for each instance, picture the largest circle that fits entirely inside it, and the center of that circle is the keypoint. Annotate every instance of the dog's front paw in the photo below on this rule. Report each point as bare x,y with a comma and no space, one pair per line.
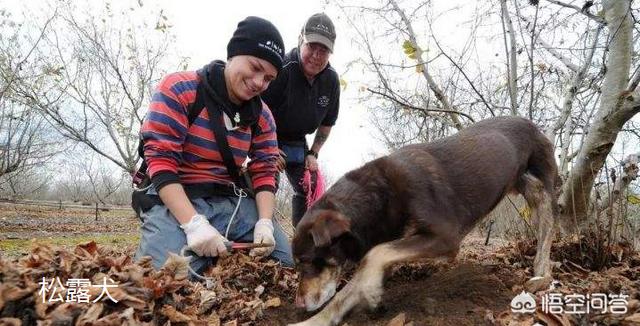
373,297
372,292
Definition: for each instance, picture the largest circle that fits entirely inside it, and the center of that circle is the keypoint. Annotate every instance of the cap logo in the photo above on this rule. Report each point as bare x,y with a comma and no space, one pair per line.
271,46
322,28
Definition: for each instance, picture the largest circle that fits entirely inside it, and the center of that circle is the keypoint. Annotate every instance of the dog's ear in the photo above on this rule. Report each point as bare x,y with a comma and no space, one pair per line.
328,226
351,247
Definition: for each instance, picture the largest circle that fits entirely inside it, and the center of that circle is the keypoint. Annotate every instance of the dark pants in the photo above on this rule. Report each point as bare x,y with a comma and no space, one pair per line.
295,172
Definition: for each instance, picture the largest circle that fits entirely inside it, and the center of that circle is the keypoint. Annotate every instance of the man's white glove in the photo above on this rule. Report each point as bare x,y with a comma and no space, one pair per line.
203,238
263,233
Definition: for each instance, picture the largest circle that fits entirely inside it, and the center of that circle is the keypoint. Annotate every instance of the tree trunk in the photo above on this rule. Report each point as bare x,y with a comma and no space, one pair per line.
612,114
512,60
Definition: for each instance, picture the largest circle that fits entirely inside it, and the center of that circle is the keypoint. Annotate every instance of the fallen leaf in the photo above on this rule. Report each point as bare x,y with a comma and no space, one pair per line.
7,321
553,319
635,318
90,247
174,315
273,302
176,266
207,300
64,314
259,290
118,294
488,317
112,319
40,254
12,293
231,323
127,317
40,307
398,320
90,316
213,320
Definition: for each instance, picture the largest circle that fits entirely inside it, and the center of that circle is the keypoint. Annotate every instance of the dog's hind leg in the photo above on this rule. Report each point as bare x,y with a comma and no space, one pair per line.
541,201
366,285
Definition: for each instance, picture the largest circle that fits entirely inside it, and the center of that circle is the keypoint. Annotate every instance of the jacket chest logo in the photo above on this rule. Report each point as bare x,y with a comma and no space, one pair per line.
323,101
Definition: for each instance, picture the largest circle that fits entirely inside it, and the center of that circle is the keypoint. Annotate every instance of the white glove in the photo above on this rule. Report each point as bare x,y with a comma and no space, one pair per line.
203,238
263,233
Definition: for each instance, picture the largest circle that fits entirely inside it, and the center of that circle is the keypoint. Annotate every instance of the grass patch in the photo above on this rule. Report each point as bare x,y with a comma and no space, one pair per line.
13,248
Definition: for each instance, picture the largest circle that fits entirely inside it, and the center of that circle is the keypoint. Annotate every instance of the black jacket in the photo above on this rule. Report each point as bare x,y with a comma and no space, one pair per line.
298,106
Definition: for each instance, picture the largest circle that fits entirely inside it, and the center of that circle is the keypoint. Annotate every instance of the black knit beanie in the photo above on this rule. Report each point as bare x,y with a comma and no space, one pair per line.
257,37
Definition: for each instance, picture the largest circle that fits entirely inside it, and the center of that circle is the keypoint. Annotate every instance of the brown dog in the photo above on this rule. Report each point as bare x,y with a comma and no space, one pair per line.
420,202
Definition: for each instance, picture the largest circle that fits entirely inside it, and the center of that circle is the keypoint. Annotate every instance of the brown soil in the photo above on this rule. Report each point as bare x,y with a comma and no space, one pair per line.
478,288
466,292
462,295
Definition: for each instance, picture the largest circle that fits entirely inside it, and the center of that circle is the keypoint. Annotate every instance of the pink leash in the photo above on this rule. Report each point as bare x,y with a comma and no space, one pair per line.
313,194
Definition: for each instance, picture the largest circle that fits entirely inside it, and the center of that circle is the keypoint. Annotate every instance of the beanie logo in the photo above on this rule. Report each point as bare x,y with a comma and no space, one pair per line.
272,46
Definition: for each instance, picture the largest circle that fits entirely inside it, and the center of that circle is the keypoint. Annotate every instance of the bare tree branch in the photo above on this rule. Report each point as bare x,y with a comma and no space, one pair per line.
409,106
572,89
14,74
484,101
430,81
586,12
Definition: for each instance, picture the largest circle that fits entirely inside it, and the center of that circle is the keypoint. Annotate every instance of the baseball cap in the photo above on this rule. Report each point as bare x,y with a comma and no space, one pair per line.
319,29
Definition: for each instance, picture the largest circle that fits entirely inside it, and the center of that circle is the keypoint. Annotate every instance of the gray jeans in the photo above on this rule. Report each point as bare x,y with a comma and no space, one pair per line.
160,232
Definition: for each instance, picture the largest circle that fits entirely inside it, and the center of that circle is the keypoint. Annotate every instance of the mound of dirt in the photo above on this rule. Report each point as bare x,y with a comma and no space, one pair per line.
479,287
443,294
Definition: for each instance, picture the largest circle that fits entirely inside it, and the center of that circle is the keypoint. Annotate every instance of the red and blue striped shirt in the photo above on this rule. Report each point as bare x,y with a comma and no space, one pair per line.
177,152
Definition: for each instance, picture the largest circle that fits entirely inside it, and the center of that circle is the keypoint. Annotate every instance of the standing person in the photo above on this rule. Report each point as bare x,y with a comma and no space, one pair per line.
193,187
305,98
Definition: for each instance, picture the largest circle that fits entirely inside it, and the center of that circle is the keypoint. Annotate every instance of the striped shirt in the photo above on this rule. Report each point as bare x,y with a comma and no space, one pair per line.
176,152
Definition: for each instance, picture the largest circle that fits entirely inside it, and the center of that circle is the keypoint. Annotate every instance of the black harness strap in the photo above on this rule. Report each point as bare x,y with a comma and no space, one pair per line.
221,139
220,133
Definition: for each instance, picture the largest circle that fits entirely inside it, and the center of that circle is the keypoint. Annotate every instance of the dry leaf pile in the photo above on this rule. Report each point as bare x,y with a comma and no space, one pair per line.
237,291
576,261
